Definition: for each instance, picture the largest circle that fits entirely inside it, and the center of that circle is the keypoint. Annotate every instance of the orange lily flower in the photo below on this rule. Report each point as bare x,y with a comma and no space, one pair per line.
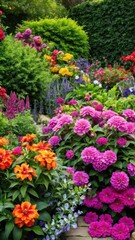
3,141
28,138
5,159
47,159
40,146
25,214
24,171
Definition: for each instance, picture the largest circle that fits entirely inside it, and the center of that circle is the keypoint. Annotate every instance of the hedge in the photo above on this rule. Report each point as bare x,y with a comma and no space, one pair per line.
110,25
64,33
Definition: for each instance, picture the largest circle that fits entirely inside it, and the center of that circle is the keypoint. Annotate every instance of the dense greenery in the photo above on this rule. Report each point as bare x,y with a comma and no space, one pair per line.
110,26
64,33
22,70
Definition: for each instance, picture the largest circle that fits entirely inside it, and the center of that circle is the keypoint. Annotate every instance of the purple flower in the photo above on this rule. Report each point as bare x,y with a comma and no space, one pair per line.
119,181
130,114
102,141
122,141
99,107
129,222
44,45
107,195
110,156
105,228
70,170
89,154
106,218
18,35
94,230
129,197
131,169
70,154
80,178
74,113
17,150
54,140
117,206
93,202
100,163
46,130
90,217
118,123
107,114
88,111
120,232
60,100
82,126
62,120
28,32
130,128
72,102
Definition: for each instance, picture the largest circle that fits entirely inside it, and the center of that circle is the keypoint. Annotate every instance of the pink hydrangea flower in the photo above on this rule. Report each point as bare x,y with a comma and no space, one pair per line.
82,126
106,218
54,140
120,232
89,154
122,141
119,180
90,217
129,222
69,154
80,178
117,206
131,169
102,141
107,195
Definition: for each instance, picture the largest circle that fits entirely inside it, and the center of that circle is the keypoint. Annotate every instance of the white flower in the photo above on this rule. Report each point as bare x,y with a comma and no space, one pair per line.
96,82
76,77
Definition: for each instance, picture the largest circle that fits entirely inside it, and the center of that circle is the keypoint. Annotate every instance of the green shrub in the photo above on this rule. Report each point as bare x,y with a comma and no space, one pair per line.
110,26
22,70
3,125
64,33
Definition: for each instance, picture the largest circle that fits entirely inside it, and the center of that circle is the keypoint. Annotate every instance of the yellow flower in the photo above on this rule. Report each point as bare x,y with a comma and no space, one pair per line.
67,57
86,78
47,57
54,69
64,71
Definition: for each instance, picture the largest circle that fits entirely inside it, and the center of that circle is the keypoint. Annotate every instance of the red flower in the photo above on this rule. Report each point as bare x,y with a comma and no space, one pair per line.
2,36
3,92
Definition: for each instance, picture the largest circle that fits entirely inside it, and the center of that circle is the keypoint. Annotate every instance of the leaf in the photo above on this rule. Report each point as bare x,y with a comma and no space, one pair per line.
32,192
2,218
15,194
17,233
37,230
8,205
45,216
13,184
42,205
23,190
8,228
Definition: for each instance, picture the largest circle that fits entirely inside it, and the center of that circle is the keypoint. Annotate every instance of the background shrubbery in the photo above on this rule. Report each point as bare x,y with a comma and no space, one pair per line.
22,70
64,33
110,26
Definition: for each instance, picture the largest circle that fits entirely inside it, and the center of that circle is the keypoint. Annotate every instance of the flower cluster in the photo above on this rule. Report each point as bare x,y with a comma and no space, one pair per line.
28,39
130,58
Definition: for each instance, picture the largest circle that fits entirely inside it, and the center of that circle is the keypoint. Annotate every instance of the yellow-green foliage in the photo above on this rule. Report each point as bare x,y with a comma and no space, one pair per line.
66,35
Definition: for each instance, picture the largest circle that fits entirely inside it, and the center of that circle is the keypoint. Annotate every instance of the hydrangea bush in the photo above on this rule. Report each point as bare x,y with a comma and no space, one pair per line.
101,143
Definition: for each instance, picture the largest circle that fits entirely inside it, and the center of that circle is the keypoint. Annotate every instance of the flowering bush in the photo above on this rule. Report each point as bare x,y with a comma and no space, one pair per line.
130,58
101,143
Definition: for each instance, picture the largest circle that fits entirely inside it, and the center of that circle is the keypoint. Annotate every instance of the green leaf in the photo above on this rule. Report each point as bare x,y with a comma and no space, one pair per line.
17,233
8,228
15,194
37,230
14,184
23,190
42,205
32,192
8,205
2,218
45,216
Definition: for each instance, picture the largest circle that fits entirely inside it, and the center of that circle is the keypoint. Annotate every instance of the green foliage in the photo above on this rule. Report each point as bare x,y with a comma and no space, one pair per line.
3,125
22,70
110,26
22,124
64,33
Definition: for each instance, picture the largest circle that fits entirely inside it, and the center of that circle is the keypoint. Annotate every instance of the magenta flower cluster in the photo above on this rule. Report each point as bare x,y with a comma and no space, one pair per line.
80,178
82,126
57,122
120,124
100,161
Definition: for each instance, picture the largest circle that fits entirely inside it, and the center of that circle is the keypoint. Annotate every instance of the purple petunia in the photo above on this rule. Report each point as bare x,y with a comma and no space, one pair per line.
82,126
129,222
54,140
70,154
90,217
80,178
119,180
120,232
